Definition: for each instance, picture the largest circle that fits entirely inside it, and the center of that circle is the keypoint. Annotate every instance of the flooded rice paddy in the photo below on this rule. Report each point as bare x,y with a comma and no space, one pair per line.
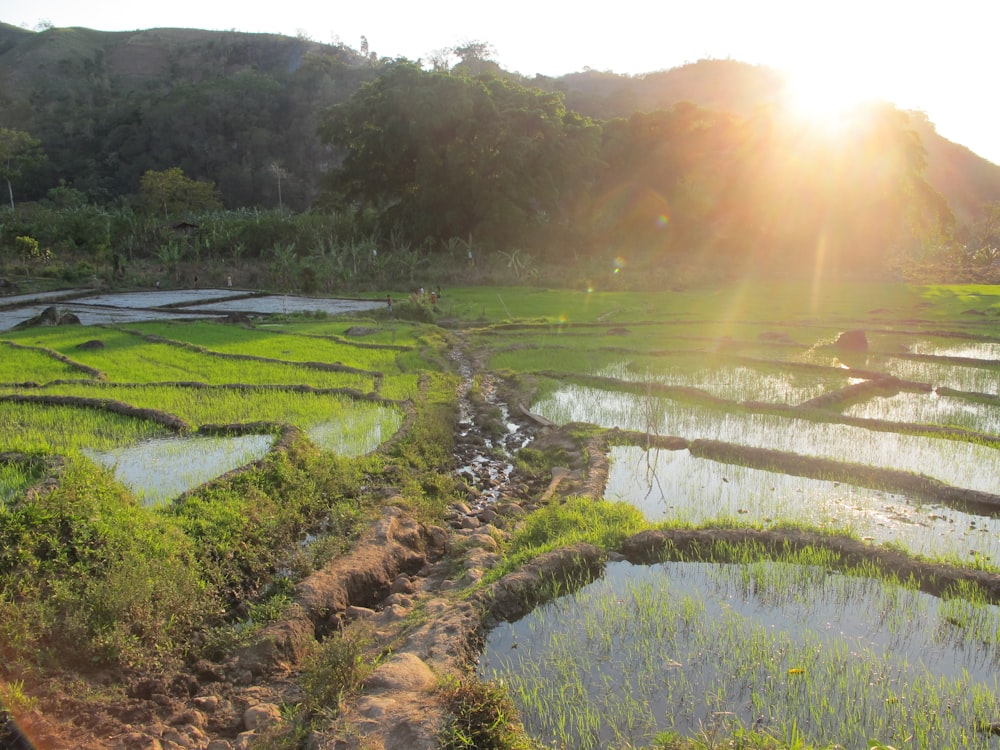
803,653
159,470
91,365
967,465
135,307
676,486
798,651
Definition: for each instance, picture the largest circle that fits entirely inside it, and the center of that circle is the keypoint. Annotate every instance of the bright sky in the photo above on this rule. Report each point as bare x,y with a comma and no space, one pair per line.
931,55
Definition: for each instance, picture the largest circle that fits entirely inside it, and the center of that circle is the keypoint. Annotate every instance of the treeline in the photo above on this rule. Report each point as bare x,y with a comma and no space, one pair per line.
445,169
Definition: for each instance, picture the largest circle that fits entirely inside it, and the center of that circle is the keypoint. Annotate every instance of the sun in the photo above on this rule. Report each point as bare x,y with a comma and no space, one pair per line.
826,98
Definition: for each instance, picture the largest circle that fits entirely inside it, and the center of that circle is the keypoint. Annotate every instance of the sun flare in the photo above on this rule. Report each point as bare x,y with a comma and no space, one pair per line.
824,98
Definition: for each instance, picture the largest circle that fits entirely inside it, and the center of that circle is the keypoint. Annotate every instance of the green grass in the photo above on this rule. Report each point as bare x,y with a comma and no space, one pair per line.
131,359
238,405
262,342
42,428
19,366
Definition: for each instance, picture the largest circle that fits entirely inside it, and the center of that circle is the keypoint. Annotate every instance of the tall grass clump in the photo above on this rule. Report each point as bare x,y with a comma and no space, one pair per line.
87,573
578,519
483,717
420,461
242,527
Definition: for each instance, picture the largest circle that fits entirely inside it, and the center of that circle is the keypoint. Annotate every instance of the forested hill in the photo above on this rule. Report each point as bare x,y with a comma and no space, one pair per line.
224,106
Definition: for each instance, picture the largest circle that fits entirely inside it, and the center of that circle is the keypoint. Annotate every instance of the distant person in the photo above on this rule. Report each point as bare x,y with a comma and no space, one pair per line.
229,281
388,301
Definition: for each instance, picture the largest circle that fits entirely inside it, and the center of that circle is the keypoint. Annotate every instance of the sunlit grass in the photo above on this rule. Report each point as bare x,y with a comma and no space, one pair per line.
41,428
129,358
392,333
233,405
14,479
258,342
26,365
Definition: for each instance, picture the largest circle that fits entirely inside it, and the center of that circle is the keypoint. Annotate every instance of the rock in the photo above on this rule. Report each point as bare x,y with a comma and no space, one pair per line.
191,717
92,344
207,703
219,745
852,341
401,585
359,613
469,522
50,316
403,671
260,716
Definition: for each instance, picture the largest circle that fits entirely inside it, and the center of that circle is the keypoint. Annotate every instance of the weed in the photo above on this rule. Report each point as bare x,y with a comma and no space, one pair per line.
483,717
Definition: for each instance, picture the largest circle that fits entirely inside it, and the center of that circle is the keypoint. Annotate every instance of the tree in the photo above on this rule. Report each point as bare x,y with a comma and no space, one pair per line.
173,193
18,152
443,156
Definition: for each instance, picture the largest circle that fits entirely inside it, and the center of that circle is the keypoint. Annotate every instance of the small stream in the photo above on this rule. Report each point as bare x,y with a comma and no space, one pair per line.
485,461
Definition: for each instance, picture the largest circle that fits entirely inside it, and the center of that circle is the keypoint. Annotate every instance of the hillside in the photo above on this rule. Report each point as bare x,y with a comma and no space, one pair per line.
223,106
226,106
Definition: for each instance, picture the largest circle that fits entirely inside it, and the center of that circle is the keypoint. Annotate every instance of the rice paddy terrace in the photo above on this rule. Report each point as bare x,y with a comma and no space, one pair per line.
784,503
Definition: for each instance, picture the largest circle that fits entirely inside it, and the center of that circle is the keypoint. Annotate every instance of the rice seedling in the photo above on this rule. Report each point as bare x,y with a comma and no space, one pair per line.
985,350
348,423
19,365
960,464
43,428
948,374
730,381
790,649
268,343
931,408
14,479
680,489
131,359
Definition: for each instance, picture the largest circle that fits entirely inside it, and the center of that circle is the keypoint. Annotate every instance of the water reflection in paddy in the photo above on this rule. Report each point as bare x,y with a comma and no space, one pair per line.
358,430
728,381
931,408
986,350
690,646
159,470
960,464
674,485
